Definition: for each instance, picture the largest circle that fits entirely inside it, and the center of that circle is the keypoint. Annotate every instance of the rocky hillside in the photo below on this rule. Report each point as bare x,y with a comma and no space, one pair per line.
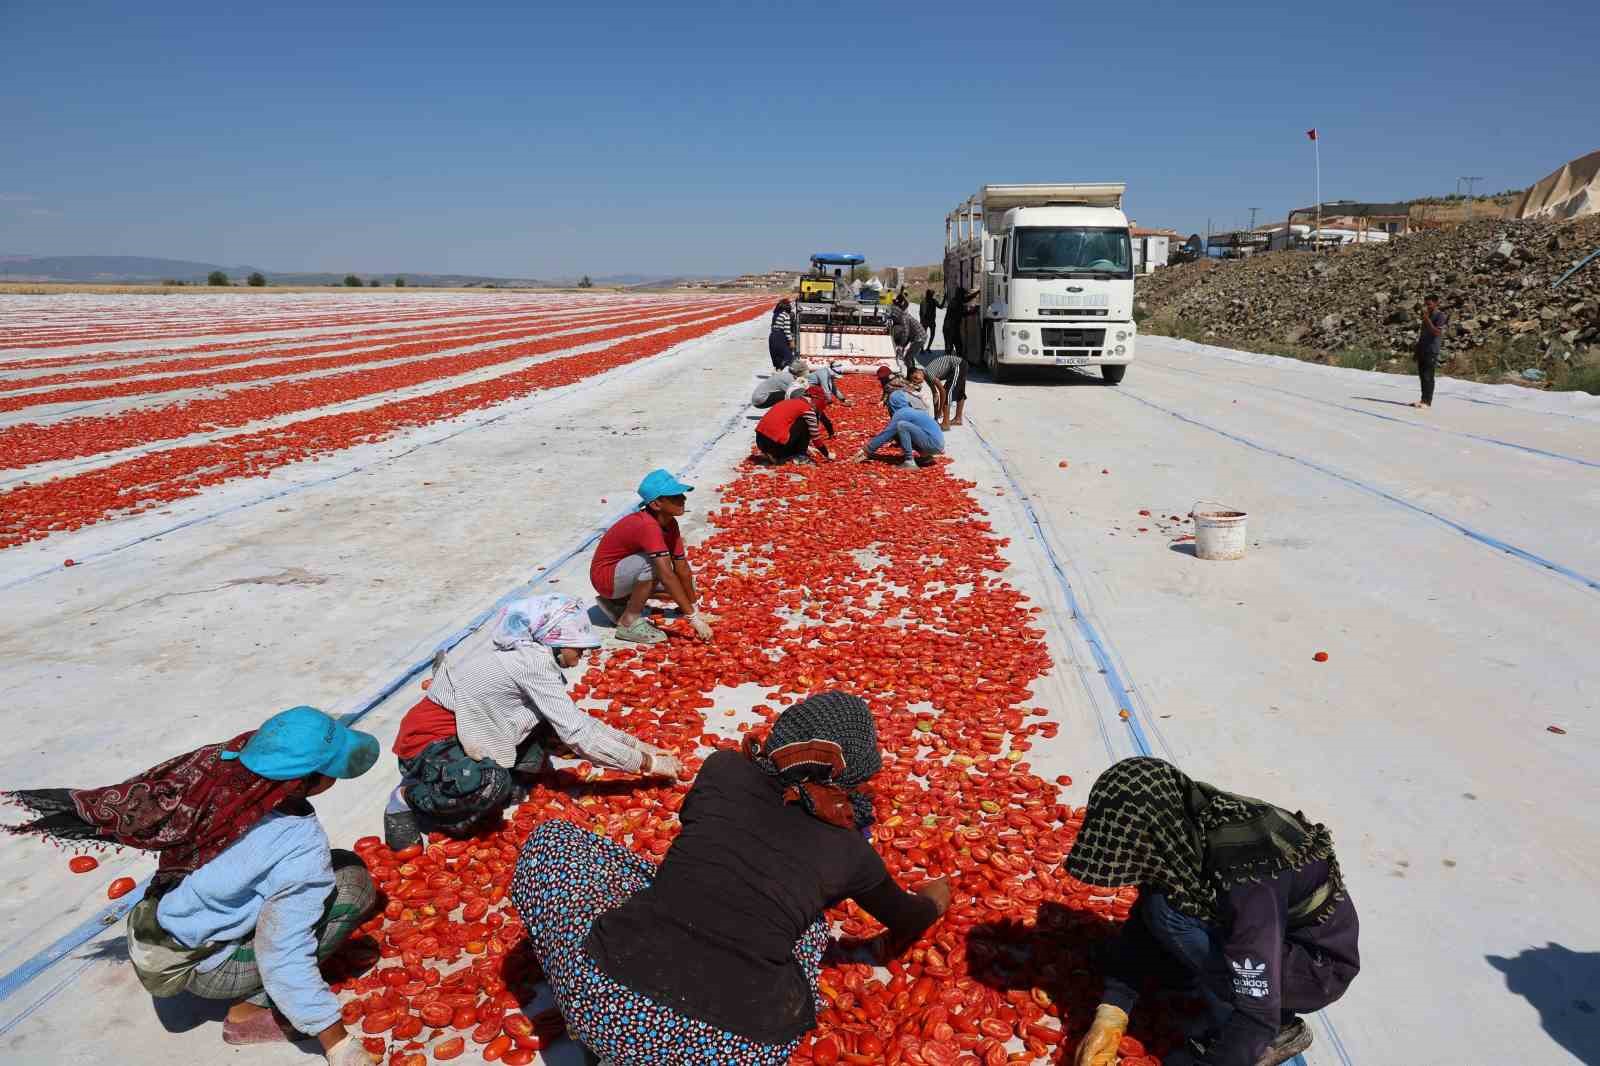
1493,276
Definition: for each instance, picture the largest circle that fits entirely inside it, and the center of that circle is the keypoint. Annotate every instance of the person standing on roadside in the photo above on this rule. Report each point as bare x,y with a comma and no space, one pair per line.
928,312
642,555
955,309
1429,342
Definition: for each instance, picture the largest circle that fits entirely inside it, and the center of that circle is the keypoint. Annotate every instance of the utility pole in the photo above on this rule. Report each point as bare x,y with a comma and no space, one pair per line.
1471,181
1253,211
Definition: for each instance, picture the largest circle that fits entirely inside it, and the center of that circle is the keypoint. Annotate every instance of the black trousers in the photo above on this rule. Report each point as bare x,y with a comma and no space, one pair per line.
952,335
780,451
779,350
1427,363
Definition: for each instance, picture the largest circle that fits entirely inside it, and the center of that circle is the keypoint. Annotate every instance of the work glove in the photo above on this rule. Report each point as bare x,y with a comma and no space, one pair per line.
349,1052
1099,1044
702,628
661,764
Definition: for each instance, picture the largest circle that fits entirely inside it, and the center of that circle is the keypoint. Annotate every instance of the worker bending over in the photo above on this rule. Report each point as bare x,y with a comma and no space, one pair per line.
643,555
909,337
1242,898
490,714
777,385
785,432
947,375
247,897
715,955
918,434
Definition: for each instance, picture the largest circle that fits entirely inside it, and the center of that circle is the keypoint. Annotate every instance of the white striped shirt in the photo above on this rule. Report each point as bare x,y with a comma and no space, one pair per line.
783,322
500,697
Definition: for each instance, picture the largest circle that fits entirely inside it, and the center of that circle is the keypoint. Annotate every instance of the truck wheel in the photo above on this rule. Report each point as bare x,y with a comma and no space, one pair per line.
1113,374
998,371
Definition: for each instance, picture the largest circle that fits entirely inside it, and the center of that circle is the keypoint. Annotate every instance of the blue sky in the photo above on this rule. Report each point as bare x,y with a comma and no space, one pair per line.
718,138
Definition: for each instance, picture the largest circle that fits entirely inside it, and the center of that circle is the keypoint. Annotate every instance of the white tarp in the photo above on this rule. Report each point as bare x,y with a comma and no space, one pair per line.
1570,192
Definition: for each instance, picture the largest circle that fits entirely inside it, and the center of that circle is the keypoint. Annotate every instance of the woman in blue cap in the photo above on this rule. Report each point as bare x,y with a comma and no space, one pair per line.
247,896
644,555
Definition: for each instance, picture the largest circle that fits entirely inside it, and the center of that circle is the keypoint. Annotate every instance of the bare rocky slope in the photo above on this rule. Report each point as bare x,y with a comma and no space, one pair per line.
1494,278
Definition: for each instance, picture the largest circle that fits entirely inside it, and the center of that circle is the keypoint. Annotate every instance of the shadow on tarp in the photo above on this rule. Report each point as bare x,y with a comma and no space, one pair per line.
1564,987
1060,955
1377,399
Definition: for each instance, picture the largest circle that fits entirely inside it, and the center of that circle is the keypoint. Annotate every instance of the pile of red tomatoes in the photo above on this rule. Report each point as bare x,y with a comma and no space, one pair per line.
882,581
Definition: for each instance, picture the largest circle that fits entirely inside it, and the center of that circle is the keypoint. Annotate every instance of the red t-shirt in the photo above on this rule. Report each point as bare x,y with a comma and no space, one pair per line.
422,725
778,423
637,534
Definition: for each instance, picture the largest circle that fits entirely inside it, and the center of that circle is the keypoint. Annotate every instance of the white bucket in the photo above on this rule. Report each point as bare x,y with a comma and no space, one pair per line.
1219,530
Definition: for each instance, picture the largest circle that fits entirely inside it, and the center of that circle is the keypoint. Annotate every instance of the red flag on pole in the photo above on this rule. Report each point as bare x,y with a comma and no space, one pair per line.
1312,134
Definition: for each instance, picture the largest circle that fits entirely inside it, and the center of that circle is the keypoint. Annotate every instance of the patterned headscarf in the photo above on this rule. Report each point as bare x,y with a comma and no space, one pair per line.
188,809
1149,824
554,620
821,749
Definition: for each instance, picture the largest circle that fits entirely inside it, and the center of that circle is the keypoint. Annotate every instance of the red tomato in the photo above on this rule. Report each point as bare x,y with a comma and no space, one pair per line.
119,888
496,1048
379,1021
82,864
449,1049
517,1056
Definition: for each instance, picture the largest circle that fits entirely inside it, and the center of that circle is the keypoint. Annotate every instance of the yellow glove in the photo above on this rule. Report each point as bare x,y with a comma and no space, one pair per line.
1099,1045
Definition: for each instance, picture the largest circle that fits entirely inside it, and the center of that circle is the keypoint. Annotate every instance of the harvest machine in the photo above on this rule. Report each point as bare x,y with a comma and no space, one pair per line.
837,324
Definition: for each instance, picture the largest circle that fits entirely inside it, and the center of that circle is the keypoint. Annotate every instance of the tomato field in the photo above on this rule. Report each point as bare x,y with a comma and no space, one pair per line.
301,382
899,577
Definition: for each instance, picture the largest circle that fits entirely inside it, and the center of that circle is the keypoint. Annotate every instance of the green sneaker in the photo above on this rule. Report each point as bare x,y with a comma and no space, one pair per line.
640,632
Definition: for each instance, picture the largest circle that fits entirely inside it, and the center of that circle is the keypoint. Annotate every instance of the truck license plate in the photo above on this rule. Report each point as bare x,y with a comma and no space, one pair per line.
1071,360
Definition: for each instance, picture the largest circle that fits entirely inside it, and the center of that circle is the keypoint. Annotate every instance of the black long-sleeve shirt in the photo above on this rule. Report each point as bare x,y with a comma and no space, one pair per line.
713,936
1271,968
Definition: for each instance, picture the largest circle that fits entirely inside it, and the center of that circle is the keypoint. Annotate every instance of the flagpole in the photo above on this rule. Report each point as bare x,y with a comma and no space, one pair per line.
1316,154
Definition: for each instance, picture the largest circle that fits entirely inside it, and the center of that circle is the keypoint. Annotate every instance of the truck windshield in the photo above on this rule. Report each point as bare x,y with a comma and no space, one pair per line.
1071,251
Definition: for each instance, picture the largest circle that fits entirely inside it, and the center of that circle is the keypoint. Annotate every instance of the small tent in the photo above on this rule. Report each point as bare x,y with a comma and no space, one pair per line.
1570,192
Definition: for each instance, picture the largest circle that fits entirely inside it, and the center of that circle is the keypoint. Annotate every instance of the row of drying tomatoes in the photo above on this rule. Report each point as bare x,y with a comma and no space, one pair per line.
296,355
180,320
885,582
27,443
32,511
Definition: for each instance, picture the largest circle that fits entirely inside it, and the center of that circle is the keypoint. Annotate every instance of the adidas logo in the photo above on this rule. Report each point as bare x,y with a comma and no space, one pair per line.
1249,978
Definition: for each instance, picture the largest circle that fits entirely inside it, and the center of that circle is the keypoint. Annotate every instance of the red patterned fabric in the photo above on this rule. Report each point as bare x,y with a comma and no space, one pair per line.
188,809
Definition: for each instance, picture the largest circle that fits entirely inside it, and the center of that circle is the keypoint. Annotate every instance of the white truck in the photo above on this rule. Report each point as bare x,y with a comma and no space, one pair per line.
1052,268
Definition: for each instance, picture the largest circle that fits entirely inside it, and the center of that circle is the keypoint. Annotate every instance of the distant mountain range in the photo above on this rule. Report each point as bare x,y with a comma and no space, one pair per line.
138,269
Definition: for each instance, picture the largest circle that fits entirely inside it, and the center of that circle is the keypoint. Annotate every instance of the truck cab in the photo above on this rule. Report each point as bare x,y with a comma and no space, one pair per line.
1052,269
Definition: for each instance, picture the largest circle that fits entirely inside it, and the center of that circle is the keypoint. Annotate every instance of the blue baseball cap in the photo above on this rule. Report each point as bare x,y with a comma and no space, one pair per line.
658,483
303,741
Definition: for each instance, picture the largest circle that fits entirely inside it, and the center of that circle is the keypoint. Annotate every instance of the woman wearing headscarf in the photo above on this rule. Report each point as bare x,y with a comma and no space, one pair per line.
247,896
481,722
714,956
781,337
1242,898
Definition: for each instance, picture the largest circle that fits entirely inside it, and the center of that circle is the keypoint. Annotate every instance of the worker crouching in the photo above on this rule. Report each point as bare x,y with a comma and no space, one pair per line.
1243,899
714,956
492,714
786,432
247,897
